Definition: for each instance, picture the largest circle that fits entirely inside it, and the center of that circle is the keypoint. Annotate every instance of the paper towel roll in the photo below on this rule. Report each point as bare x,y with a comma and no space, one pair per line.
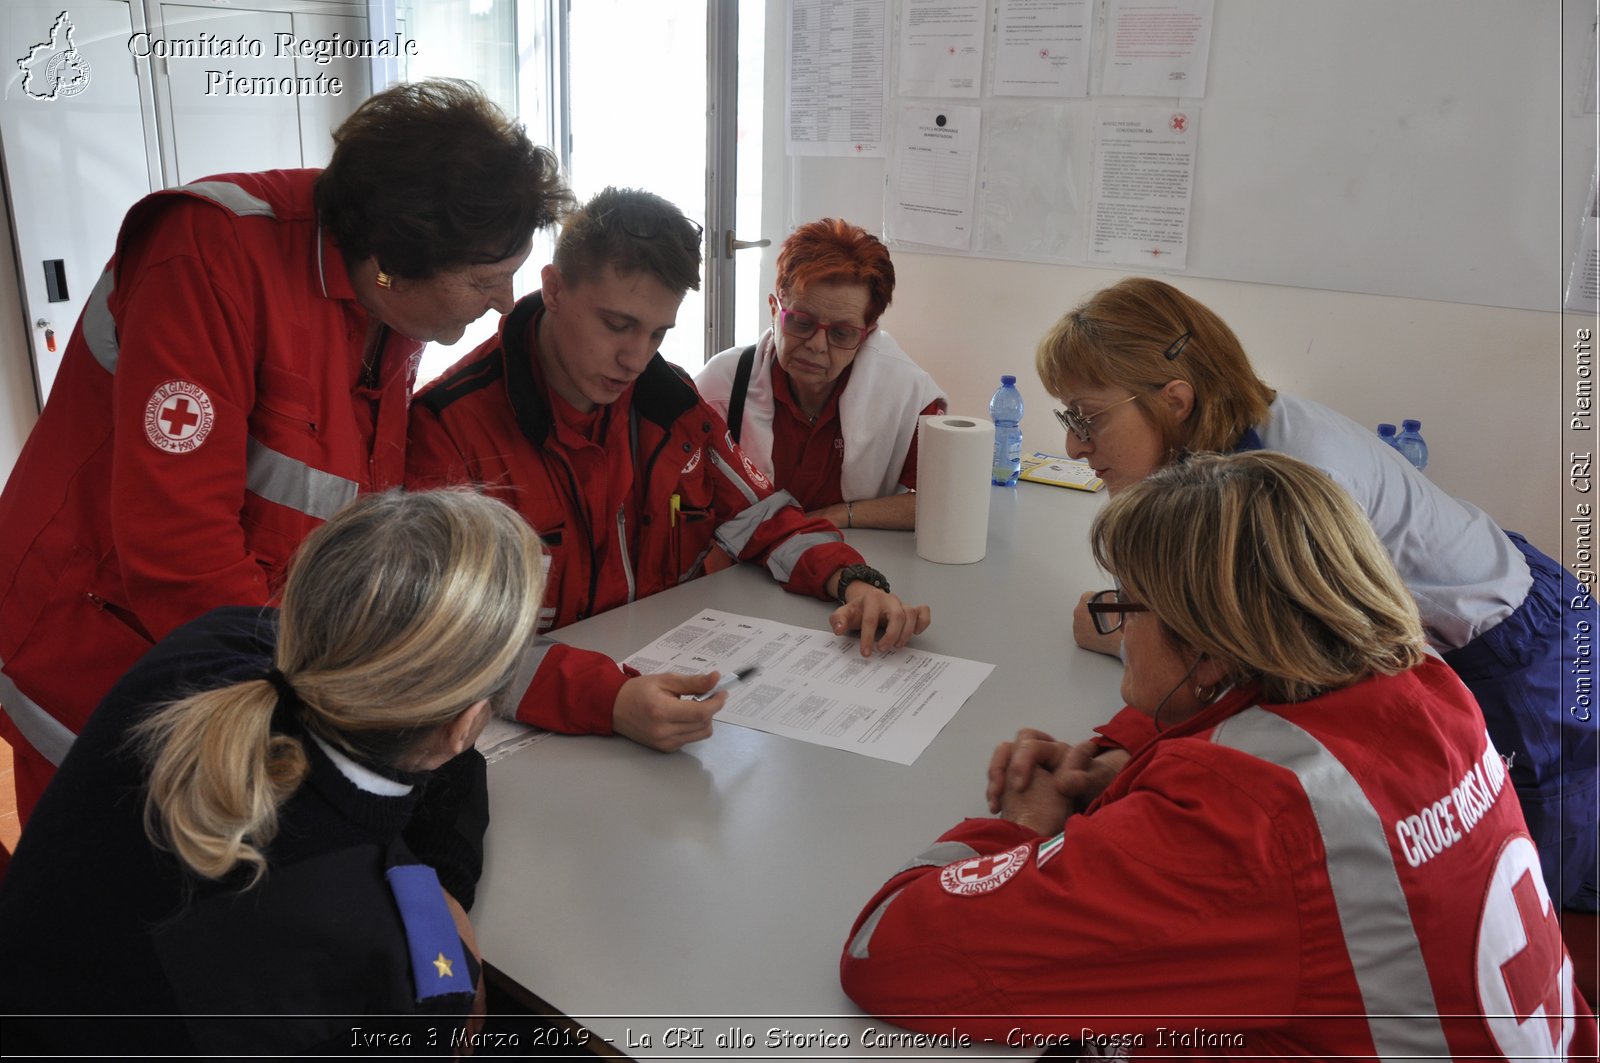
954,455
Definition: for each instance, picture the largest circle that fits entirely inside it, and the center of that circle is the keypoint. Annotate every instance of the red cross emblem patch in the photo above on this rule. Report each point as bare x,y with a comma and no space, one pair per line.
983,874
178,417
1524,975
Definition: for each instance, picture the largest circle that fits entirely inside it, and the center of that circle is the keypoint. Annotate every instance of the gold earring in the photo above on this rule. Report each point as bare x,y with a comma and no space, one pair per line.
384,280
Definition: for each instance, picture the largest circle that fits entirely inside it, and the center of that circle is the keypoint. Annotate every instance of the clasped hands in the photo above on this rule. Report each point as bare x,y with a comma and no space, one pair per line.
1037,782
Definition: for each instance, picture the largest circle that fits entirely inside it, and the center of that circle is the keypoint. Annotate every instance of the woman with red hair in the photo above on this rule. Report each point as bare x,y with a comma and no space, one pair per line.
826,403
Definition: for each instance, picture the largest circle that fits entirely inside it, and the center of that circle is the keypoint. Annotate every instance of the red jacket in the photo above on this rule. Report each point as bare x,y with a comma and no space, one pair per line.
605,510
210,411
1317,880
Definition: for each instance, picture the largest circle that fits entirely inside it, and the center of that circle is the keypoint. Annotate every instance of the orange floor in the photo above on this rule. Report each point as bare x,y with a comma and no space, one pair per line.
10,826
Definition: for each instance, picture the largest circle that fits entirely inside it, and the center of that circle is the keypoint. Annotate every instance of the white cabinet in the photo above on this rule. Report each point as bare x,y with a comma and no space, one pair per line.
111,99
78,142
211,108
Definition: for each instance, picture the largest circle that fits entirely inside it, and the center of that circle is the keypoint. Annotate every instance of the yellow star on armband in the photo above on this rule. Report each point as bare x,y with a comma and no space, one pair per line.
443,965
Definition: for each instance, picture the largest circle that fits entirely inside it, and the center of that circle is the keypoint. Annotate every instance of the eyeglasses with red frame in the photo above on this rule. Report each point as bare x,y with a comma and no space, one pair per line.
802,326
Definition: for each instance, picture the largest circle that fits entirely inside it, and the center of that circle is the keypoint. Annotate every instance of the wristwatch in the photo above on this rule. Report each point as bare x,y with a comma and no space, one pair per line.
866,574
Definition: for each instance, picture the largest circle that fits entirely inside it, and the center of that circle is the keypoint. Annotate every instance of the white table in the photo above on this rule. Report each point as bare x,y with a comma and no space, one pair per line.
637,892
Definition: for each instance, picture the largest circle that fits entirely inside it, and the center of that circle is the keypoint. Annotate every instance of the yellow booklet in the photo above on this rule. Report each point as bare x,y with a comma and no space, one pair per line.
1058,471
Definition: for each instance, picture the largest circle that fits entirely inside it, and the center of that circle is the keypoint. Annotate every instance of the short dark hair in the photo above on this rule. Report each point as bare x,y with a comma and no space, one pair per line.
631,231
430,175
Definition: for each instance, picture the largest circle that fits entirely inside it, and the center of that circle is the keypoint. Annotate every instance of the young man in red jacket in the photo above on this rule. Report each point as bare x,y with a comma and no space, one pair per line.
571,416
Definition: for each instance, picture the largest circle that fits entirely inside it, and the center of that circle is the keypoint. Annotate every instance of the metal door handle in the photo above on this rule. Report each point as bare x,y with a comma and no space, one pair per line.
733,244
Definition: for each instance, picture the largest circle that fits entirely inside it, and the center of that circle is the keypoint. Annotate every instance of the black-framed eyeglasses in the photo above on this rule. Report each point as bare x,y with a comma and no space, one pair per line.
802,326
1107,608
1074,420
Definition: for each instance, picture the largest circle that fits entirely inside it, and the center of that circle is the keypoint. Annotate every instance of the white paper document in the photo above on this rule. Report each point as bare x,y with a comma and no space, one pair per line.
1042,48
941,47
816,686
1157,48
933,179
1143,178
838,53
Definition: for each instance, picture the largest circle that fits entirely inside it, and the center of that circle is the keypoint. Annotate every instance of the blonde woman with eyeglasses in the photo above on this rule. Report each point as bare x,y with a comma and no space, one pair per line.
1262,880
1149,375
276,818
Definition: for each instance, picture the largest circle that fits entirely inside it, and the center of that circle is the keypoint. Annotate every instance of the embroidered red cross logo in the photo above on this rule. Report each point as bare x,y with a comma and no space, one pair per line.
1533,976
178,417
983,868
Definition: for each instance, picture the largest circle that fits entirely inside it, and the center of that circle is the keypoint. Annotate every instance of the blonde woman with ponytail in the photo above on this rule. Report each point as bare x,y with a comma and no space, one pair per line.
279,812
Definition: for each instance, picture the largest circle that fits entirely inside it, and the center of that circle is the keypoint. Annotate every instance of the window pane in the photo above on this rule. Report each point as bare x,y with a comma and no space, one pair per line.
479,41
638,91
750,316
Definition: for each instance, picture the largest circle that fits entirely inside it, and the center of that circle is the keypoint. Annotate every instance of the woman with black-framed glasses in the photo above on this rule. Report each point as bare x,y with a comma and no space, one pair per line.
1258,882
1148,374
826,403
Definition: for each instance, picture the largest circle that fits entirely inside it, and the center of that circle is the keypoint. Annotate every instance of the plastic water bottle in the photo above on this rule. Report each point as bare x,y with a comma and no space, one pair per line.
1386,433
1005,410
1411,444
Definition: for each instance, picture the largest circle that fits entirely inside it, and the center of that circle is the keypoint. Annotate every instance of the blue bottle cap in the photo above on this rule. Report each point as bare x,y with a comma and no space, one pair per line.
1386,429
1007,380
1411,425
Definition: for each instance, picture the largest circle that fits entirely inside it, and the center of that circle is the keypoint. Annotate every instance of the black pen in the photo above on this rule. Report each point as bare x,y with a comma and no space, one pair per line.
728,680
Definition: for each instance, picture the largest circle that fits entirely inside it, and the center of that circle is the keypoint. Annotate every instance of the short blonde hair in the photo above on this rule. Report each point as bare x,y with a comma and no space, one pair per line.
1121,337
399,614
1265,565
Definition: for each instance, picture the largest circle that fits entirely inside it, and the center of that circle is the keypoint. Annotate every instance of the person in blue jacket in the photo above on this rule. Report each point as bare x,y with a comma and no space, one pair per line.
1148,374
269,831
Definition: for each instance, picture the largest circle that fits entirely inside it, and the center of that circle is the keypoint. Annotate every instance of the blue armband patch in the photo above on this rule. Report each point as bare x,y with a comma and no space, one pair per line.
438,962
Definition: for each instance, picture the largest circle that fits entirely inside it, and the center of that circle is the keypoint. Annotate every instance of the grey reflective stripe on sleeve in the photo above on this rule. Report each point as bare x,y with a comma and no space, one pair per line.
735,533
1373,913
290,482
733,477
231,196
787,554
99,330
939,854
43,731
527,667
859,943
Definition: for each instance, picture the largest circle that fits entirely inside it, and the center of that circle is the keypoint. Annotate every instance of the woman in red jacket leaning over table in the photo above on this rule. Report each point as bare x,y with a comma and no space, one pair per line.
1319,855
241,371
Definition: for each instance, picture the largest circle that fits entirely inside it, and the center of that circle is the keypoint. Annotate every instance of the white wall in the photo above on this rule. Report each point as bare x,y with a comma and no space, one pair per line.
1485,382
17,408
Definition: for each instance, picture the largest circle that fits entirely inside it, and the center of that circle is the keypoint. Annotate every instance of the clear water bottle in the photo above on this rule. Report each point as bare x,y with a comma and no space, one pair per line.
1386,433
1005,410
1411,444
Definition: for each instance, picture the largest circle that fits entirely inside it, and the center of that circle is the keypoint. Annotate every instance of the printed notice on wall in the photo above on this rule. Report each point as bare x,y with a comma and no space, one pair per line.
816,687
1583,283
1157,48
1042,48
838,52
1143,177
933,176
941,47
